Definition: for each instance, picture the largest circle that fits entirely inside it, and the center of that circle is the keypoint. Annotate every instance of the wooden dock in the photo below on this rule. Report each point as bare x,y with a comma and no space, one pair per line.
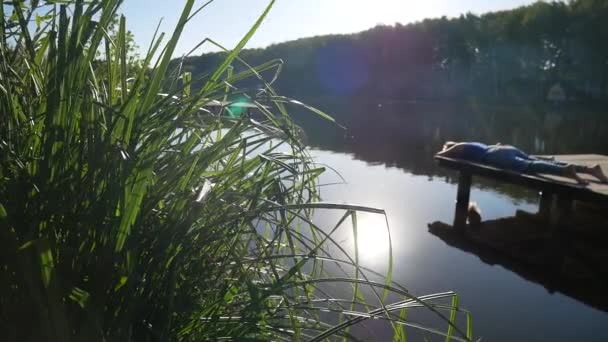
557,193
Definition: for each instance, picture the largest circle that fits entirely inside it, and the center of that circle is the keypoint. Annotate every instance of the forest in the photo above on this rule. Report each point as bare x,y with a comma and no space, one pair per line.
509,56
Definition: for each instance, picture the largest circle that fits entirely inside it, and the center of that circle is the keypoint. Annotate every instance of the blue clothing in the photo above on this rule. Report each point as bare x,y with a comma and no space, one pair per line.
474,151
507,157
550,167
511,158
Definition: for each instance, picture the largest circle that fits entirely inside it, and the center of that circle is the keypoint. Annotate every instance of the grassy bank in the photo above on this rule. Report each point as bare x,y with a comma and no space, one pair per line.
134,208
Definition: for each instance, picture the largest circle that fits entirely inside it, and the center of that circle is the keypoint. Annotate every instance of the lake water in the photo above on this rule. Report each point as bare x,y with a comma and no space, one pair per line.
386,158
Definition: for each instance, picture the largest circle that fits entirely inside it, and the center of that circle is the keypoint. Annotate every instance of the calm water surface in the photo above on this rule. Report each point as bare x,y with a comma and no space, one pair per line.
386,159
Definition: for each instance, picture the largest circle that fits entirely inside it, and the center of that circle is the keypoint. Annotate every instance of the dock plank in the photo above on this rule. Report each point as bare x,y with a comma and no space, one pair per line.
594,192
587,160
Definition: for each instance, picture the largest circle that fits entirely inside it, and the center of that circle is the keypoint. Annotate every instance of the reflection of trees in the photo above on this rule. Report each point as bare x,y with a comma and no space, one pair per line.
406,135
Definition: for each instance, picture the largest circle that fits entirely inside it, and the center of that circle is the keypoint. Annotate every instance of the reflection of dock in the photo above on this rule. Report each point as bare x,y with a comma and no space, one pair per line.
571,262
558,193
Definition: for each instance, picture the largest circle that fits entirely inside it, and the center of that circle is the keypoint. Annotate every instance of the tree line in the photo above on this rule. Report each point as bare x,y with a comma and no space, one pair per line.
514,55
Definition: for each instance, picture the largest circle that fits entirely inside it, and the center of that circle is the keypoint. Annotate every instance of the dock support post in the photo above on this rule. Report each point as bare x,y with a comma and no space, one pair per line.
544,207
462,200
562,211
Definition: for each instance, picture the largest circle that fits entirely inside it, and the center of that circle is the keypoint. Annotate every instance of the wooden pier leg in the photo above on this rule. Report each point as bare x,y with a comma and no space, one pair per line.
561,212
544,207
462,200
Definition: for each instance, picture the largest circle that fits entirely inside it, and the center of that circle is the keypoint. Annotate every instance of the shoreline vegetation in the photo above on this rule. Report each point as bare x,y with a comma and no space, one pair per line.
133,210
547,50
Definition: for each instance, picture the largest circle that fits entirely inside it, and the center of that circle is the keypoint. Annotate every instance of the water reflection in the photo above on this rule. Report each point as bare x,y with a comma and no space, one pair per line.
372,238
405,134
386,158
564,261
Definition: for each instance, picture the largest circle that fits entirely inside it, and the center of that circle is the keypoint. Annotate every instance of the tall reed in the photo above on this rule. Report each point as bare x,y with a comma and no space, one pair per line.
134,207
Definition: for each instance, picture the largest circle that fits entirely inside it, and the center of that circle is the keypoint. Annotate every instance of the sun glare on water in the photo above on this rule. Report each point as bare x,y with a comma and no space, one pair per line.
372,238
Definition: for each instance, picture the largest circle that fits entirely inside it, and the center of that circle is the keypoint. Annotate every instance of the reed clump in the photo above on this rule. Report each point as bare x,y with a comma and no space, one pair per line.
135,207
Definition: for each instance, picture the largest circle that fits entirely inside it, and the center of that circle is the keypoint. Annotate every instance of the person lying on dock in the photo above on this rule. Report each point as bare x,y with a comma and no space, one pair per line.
513,159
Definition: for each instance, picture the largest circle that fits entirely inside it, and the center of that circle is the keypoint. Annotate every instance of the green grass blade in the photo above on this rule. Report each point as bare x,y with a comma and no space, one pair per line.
160,71
450,333
237,49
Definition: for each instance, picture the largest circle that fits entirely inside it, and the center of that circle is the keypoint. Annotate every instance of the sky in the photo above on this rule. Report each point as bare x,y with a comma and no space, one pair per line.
226,21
